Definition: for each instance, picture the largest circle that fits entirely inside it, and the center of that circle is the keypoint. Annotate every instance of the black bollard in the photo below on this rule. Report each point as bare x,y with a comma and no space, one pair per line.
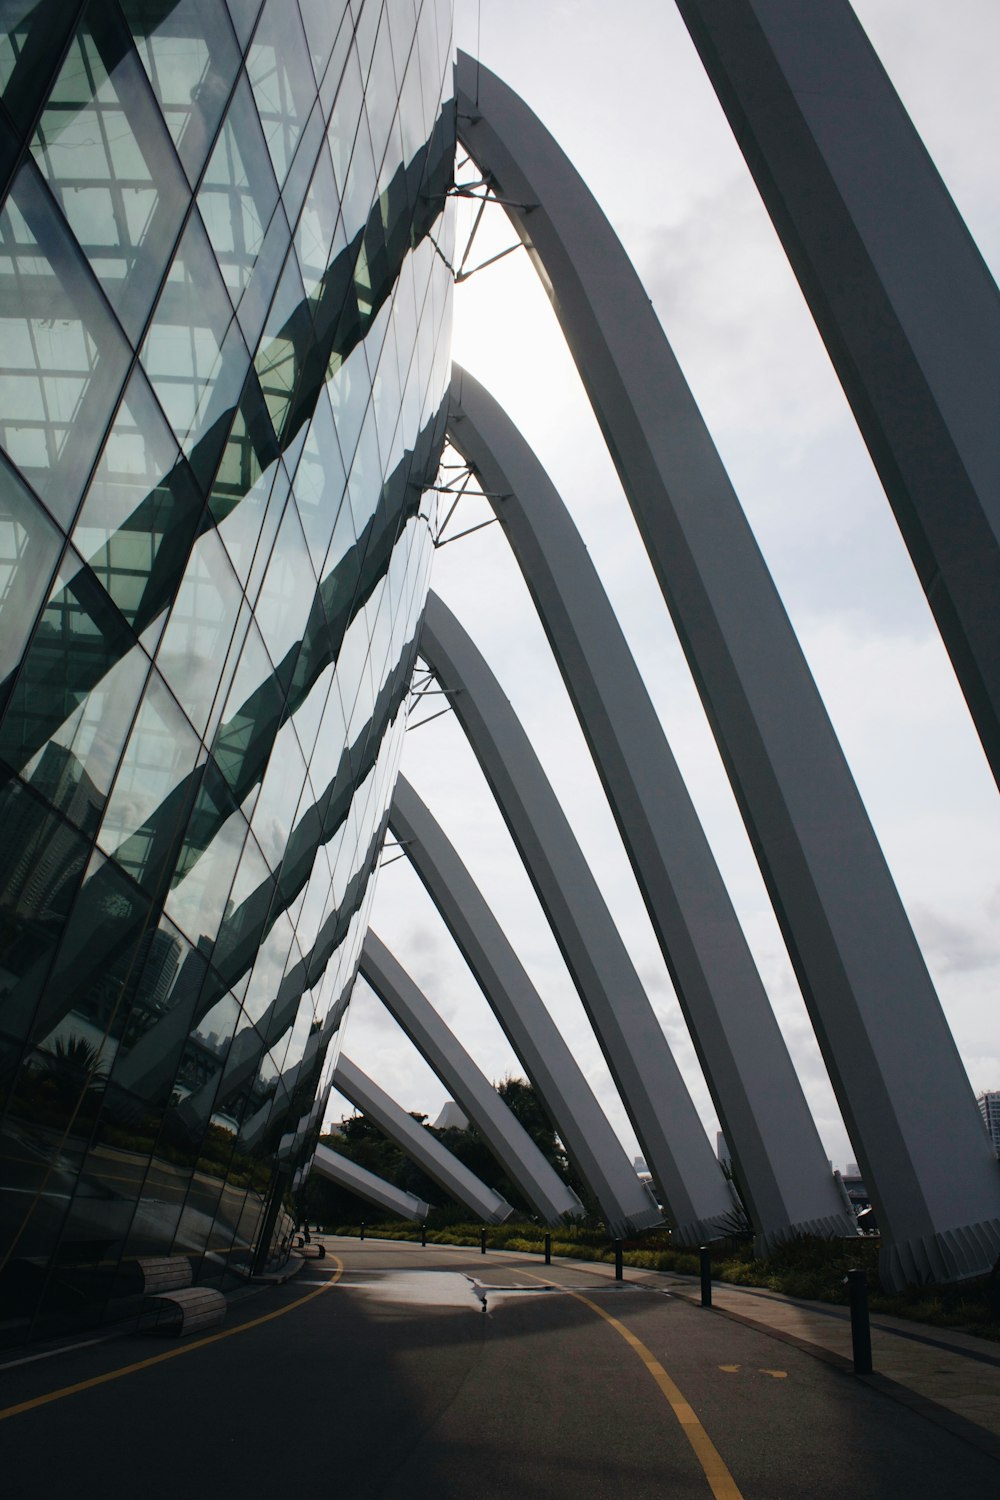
423,1235
705,1265
482,1241
861,1332
362,1234
618,1260
548,1249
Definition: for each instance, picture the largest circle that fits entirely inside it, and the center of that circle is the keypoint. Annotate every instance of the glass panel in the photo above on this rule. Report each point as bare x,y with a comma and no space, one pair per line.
247,916
29,547
104,152
161,753
142,509
344,122
338,57
280,792
200,631
199,898
285,346
167,997
188,49
238,194
194,356
316,904
64,358
268,968
253,305
282,80
381,93
323,21
32,35
359,193
286,598
319,483
318,225
248,528
326,756
76,767
303,163
42,860
253,712
244,16
79,638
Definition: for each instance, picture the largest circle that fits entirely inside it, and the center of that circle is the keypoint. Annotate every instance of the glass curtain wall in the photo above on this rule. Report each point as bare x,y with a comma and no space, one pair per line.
224,346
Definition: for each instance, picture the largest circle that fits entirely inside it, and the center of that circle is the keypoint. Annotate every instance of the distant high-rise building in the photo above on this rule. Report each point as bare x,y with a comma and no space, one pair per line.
989,1108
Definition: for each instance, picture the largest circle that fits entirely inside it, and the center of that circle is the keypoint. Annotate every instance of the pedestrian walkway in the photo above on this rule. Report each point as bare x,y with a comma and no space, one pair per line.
951,1377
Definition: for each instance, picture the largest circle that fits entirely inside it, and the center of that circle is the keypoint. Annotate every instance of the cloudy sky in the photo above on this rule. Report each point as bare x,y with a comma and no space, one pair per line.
623,92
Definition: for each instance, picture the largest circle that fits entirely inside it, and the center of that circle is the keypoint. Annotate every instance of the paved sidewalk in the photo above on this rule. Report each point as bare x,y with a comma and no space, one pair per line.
951,1377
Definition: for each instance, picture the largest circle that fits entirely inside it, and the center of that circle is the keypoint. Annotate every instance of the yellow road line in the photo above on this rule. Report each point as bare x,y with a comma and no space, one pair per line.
721,1482
159,1359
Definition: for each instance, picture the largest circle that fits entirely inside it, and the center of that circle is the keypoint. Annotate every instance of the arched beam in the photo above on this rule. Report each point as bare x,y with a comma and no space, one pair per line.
503,1133
781,1166
593,1147
891,1058
655,1096
905,304
347,1174
417,1143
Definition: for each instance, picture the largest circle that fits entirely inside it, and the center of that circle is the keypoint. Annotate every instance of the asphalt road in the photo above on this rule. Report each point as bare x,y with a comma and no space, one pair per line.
388,1378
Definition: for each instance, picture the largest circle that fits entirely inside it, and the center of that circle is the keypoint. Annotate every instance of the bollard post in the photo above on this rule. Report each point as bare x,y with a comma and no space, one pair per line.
482,1240
548,1249
861,1332
618,1260
362,1234
423,1235
705,1266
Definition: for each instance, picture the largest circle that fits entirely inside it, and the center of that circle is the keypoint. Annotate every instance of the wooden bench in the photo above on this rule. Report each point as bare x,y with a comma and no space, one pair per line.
164,1273
188,1309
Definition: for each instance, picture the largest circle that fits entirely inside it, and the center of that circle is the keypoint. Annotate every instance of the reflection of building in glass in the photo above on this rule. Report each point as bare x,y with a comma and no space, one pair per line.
225,349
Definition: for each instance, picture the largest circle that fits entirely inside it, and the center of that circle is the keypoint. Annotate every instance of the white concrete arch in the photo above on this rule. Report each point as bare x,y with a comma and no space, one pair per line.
891,1057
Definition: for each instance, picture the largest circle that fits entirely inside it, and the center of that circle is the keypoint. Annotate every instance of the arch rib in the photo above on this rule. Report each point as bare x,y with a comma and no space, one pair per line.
499,1127
347,1174
656,1099
592,1145
781,1166
422,1147
904,302
891,1058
